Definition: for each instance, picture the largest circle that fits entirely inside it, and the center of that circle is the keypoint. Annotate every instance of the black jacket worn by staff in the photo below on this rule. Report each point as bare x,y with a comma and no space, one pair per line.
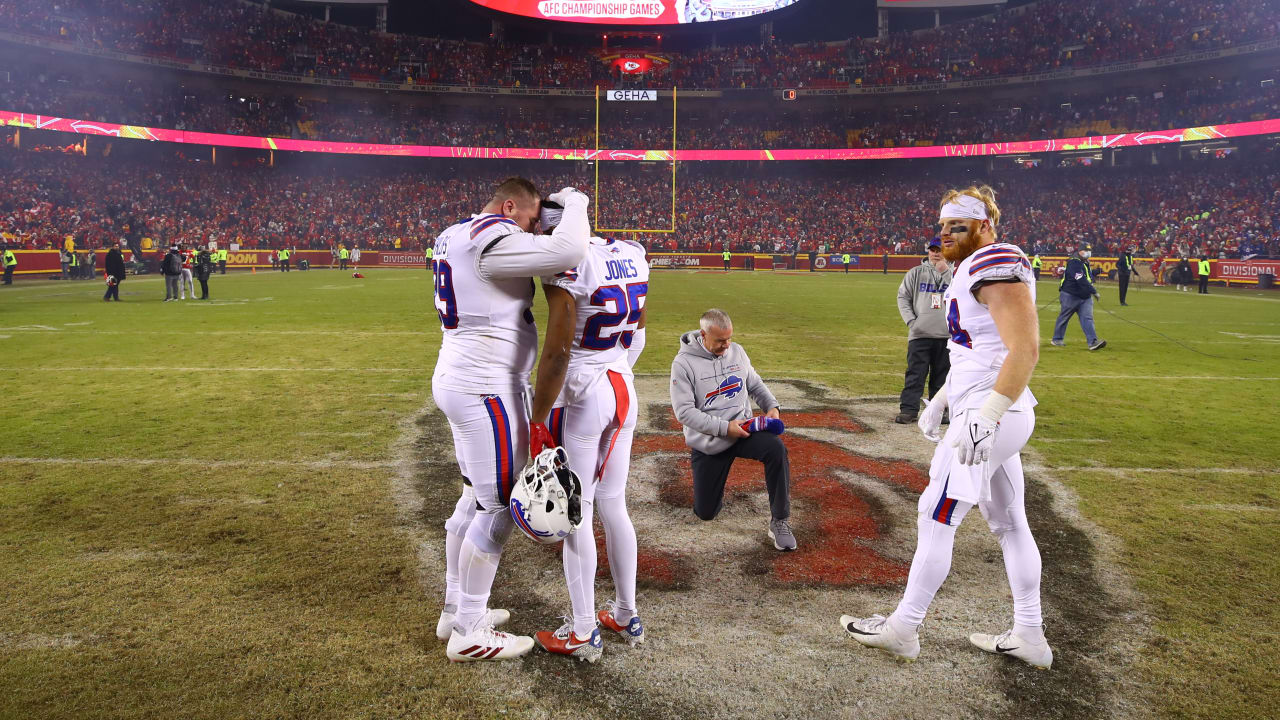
115,264
1077,280
1125,264
204,265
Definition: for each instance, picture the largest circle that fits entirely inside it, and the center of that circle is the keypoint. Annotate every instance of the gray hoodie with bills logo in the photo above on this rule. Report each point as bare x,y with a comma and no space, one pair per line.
707,392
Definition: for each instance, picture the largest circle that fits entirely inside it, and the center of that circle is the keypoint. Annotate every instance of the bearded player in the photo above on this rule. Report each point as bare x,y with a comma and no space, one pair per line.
994,345
585,390
483,294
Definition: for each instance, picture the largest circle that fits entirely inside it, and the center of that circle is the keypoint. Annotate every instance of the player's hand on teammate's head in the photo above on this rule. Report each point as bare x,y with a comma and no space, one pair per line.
567,195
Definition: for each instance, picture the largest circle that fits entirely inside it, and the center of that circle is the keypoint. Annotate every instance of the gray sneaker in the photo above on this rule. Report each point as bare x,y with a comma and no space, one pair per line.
1098,344
1058,343
781,535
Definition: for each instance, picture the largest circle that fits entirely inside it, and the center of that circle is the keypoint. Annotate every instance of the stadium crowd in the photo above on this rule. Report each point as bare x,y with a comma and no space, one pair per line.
1227,208
70,93
1046,36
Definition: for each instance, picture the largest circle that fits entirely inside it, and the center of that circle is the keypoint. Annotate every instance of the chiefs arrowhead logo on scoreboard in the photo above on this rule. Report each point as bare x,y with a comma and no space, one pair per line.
633,66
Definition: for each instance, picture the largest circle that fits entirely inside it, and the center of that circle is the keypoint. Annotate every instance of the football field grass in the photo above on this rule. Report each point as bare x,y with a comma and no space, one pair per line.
197,516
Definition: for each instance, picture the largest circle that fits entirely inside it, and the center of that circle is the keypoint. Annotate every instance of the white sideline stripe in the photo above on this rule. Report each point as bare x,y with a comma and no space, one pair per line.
215,369
1170,471
196,462
1069,440
1232,507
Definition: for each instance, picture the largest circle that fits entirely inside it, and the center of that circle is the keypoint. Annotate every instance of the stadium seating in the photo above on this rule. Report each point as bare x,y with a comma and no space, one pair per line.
796,208
1049,35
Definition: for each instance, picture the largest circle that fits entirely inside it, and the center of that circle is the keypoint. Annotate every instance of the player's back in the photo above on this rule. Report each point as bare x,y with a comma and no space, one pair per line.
609,288
977,351
489,340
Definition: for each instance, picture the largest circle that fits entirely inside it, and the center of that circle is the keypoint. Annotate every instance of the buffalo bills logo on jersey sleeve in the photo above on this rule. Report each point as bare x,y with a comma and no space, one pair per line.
729,389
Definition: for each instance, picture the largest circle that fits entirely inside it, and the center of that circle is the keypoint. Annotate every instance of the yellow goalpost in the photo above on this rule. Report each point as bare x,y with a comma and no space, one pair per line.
596,222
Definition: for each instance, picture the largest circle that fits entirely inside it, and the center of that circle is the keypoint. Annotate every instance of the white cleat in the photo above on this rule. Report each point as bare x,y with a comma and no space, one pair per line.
1035,653
485,643
877,632
444,626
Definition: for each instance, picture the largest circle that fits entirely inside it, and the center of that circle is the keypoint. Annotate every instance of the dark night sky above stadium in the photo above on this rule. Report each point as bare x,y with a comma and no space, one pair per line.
810,20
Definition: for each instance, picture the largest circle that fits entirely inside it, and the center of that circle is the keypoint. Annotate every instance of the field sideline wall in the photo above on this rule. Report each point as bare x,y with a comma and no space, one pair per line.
1243,272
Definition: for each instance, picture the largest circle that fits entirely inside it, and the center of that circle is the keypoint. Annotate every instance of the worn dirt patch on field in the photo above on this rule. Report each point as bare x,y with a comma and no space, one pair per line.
737,629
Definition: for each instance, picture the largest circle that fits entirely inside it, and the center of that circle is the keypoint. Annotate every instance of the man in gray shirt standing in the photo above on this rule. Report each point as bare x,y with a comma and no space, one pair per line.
712,386
921,305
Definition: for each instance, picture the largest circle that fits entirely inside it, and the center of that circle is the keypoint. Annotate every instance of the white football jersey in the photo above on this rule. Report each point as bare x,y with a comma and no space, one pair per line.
977,352
490,340
609,288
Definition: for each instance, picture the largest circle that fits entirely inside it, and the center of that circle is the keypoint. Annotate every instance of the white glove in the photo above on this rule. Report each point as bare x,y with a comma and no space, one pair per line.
930,421
564,196
974,441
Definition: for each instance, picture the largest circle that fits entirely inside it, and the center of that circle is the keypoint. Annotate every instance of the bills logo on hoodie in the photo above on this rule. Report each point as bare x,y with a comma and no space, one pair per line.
729,388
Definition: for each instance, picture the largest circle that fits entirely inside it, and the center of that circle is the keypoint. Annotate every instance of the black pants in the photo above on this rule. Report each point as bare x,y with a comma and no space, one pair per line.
8,274
343,265
1204,284
925,357
711,471
1036,273
204,287
284,265
222,267
1124,285
113,290
726,264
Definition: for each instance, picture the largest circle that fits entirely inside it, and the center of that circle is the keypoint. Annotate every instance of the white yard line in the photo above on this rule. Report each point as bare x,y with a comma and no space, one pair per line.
197,462
214,369
1144,470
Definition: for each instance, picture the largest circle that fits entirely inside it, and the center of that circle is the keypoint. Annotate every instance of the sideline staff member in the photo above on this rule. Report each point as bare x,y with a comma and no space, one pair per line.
920,304
1075,294
712,386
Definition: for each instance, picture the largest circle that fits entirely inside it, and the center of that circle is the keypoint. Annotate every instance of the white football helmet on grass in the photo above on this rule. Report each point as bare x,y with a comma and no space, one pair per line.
546,502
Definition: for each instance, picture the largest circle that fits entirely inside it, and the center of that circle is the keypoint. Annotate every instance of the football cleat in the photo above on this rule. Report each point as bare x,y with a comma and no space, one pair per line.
444,626
486,644
1035,653
877,632
566,642
632,632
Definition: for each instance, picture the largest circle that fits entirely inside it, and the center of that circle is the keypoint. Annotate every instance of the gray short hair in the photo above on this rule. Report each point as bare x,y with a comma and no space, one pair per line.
715,318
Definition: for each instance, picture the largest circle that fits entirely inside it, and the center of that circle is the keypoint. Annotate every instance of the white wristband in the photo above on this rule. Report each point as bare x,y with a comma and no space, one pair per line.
995,406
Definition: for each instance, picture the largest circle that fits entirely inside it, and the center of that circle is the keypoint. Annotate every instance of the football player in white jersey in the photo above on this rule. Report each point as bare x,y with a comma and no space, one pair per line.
994,345
484,269
585,392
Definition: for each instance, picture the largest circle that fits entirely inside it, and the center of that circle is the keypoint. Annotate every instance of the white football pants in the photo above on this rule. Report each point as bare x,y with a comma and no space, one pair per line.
596,432
491,443
998,487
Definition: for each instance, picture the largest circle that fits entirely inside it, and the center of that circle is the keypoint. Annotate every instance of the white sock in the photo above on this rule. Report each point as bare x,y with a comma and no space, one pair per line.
478,569
1022,563
929,567
455,531
579,557
620,543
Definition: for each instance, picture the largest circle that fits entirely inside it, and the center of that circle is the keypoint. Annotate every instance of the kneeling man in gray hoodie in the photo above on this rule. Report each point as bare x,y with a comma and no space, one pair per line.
712,386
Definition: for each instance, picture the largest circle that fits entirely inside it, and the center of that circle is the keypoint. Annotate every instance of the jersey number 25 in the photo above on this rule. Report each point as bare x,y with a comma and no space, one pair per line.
627,305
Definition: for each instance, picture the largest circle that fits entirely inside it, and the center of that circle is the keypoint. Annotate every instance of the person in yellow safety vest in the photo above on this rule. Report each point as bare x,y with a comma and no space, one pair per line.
10,265
1204,275
397,243
845,259
431,256
726,255
1036,264
343,255
284,259
75,265
222,261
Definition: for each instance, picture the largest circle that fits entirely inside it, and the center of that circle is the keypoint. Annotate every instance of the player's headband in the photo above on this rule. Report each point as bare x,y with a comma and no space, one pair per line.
964,206
552,213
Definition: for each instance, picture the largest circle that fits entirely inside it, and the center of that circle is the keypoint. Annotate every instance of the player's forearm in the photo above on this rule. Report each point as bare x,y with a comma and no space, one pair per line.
551,372
1016,372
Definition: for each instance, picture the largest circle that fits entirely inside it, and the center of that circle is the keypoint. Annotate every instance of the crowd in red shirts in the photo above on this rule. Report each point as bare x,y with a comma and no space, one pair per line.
1046,36
1228,207
68,92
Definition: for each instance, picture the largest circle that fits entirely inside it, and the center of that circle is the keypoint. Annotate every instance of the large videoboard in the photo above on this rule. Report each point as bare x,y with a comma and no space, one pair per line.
637,12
